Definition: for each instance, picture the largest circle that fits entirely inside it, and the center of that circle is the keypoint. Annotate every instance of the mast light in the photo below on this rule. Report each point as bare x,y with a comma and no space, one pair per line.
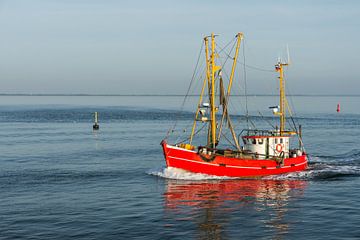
275,109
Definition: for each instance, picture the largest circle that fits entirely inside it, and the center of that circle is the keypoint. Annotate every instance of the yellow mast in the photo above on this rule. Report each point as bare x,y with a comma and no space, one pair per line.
212,97
239,37
282,112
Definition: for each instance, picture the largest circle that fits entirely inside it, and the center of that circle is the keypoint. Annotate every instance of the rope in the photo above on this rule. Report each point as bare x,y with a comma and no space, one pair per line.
292,119
232,144
223,49
245,87
188,138
268,122
256,68
187,94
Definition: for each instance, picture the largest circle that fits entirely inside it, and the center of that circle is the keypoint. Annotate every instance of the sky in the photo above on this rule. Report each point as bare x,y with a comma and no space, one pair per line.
151,47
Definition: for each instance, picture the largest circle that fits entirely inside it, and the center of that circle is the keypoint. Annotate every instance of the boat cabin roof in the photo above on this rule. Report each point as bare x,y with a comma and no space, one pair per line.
267,136
258,134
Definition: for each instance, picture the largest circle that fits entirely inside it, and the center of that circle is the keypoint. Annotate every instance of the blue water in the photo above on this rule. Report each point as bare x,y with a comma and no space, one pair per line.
61,180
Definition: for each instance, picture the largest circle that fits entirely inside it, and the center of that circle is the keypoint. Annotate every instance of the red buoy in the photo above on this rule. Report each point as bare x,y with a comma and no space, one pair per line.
338,108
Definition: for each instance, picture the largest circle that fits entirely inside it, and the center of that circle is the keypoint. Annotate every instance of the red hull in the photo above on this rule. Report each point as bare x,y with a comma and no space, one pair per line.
227,166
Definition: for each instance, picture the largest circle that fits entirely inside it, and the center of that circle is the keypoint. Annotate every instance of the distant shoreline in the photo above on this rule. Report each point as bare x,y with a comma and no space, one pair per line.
164,95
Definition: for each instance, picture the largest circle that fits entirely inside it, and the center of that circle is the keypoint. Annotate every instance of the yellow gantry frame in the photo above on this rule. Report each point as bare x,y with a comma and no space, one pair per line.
211,69
239,37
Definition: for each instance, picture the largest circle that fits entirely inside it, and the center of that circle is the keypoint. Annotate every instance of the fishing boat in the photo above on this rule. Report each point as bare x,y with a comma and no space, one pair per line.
262,152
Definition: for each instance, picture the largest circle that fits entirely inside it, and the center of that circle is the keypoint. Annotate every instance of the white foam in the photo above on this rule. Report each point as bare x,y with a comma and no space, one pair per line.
180,174
316,171
320,171
302,175
315,159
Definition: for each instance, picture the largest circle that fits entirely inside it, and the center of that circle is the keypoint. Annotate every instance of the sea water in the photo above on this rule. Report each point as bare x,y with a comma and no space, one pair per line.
59,179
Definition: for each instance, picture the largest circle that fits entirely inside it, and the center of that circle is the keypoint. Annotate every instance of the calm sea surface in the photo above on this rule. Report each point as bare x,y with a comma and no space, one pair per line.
61,180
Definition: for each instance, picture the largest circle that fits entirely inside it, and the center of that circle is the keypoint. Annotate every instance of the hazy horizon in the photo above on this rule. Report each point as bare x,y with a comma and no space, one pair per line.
140,47
167,94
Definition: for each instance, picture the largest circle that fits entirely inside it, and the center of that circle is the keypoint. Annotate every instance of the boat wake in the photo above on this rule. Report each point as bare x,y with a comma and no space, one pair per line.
320,172
333,167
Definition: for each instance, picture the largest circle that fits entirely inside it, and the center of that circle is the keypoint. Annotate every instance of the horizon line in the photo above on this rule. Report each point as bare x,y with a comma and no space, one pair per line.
165,95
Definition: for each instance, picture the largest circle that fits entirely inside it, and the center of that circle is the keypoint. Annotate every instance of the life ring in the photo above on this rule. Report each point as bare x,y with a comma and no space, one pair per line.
279,147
